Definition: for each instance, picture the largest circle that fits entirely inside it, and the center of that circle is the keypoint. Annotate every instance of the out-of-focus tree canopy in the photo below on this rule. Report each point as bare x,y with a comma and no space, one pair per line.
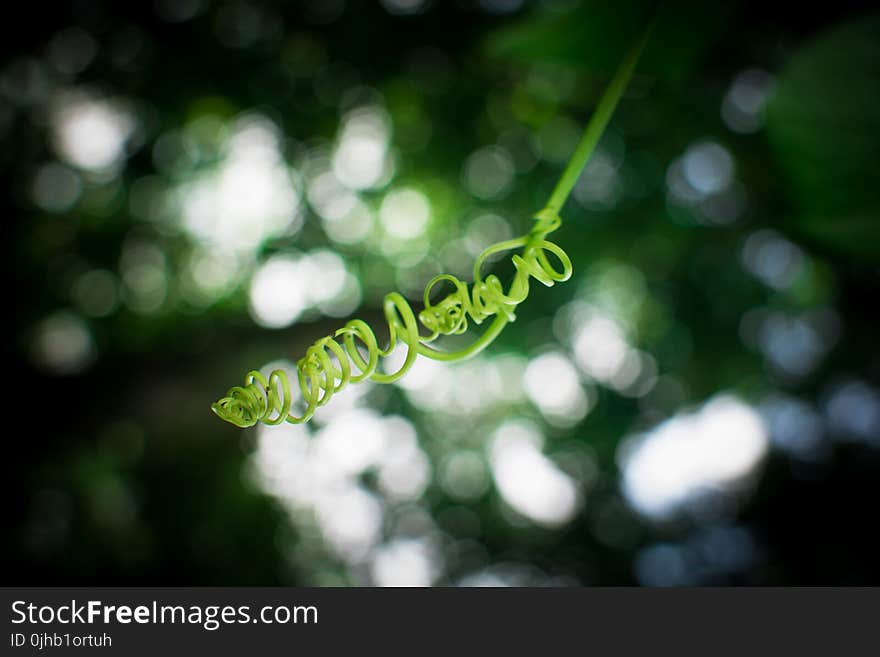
195,189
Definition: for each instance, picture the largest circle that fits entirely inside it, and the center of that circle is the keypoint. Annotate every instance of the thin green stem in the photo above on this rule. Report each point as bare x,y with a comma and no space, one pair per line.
269,400
597,124
471,350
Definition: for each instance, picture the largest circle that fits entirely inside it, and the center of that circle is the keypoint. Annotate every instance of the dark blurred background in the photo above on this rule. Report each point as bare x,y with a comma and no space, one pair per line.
197,188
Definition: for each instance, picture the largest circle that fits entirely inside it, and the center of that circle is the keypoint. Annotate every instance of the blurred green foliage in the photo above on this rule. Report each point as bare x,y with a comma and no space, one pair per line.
824,125
682,35
713,239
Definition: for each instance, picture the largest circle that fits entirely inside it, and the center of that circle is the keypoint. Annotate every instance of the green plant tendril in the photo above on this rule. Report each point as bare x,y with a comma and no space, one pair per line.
352,353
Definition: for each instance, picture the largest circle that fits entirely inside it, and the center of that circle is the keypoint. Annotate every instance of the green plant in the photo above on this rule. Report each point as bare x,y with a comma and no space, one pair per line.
269,400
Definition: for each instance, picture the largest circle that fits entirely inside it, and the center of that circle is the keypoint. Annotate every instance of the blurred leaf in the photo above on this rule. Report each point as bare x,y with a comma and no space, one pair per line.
824,125
594,36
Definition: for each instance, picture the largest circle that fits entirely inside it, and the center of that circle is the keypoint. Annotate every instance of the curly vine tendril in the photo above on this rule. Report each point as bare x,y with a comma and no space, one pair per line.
332,362
352,354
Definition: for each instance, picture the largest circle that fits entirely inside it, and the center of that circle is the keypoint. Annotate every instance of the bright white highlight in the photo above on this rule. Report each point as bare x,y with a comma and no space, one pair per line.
439,387
405,213
527,480
250,197
350,520
600,348
287,285
404,562
89,132
551,382
278,292
691,454
351,226
316,475
326,274
361,158
405,471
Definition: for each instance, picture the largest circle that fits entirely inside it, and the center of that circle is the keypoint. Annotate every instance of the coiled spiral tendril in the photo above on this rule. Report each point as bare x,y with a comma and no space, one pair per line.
269,400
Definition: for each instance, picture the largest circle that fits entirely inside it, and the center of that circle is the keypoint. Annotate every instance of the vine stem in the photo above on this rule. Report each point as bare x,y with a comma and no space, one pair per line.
597,124
260,399
592,134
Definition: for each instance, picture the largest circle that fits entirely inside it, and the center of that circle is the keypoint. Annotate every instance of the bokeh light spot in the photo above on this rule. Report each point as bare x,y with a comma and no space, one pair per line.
279,292
63,344
405,213
91,132
488,173
683,458
528,481
56,188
